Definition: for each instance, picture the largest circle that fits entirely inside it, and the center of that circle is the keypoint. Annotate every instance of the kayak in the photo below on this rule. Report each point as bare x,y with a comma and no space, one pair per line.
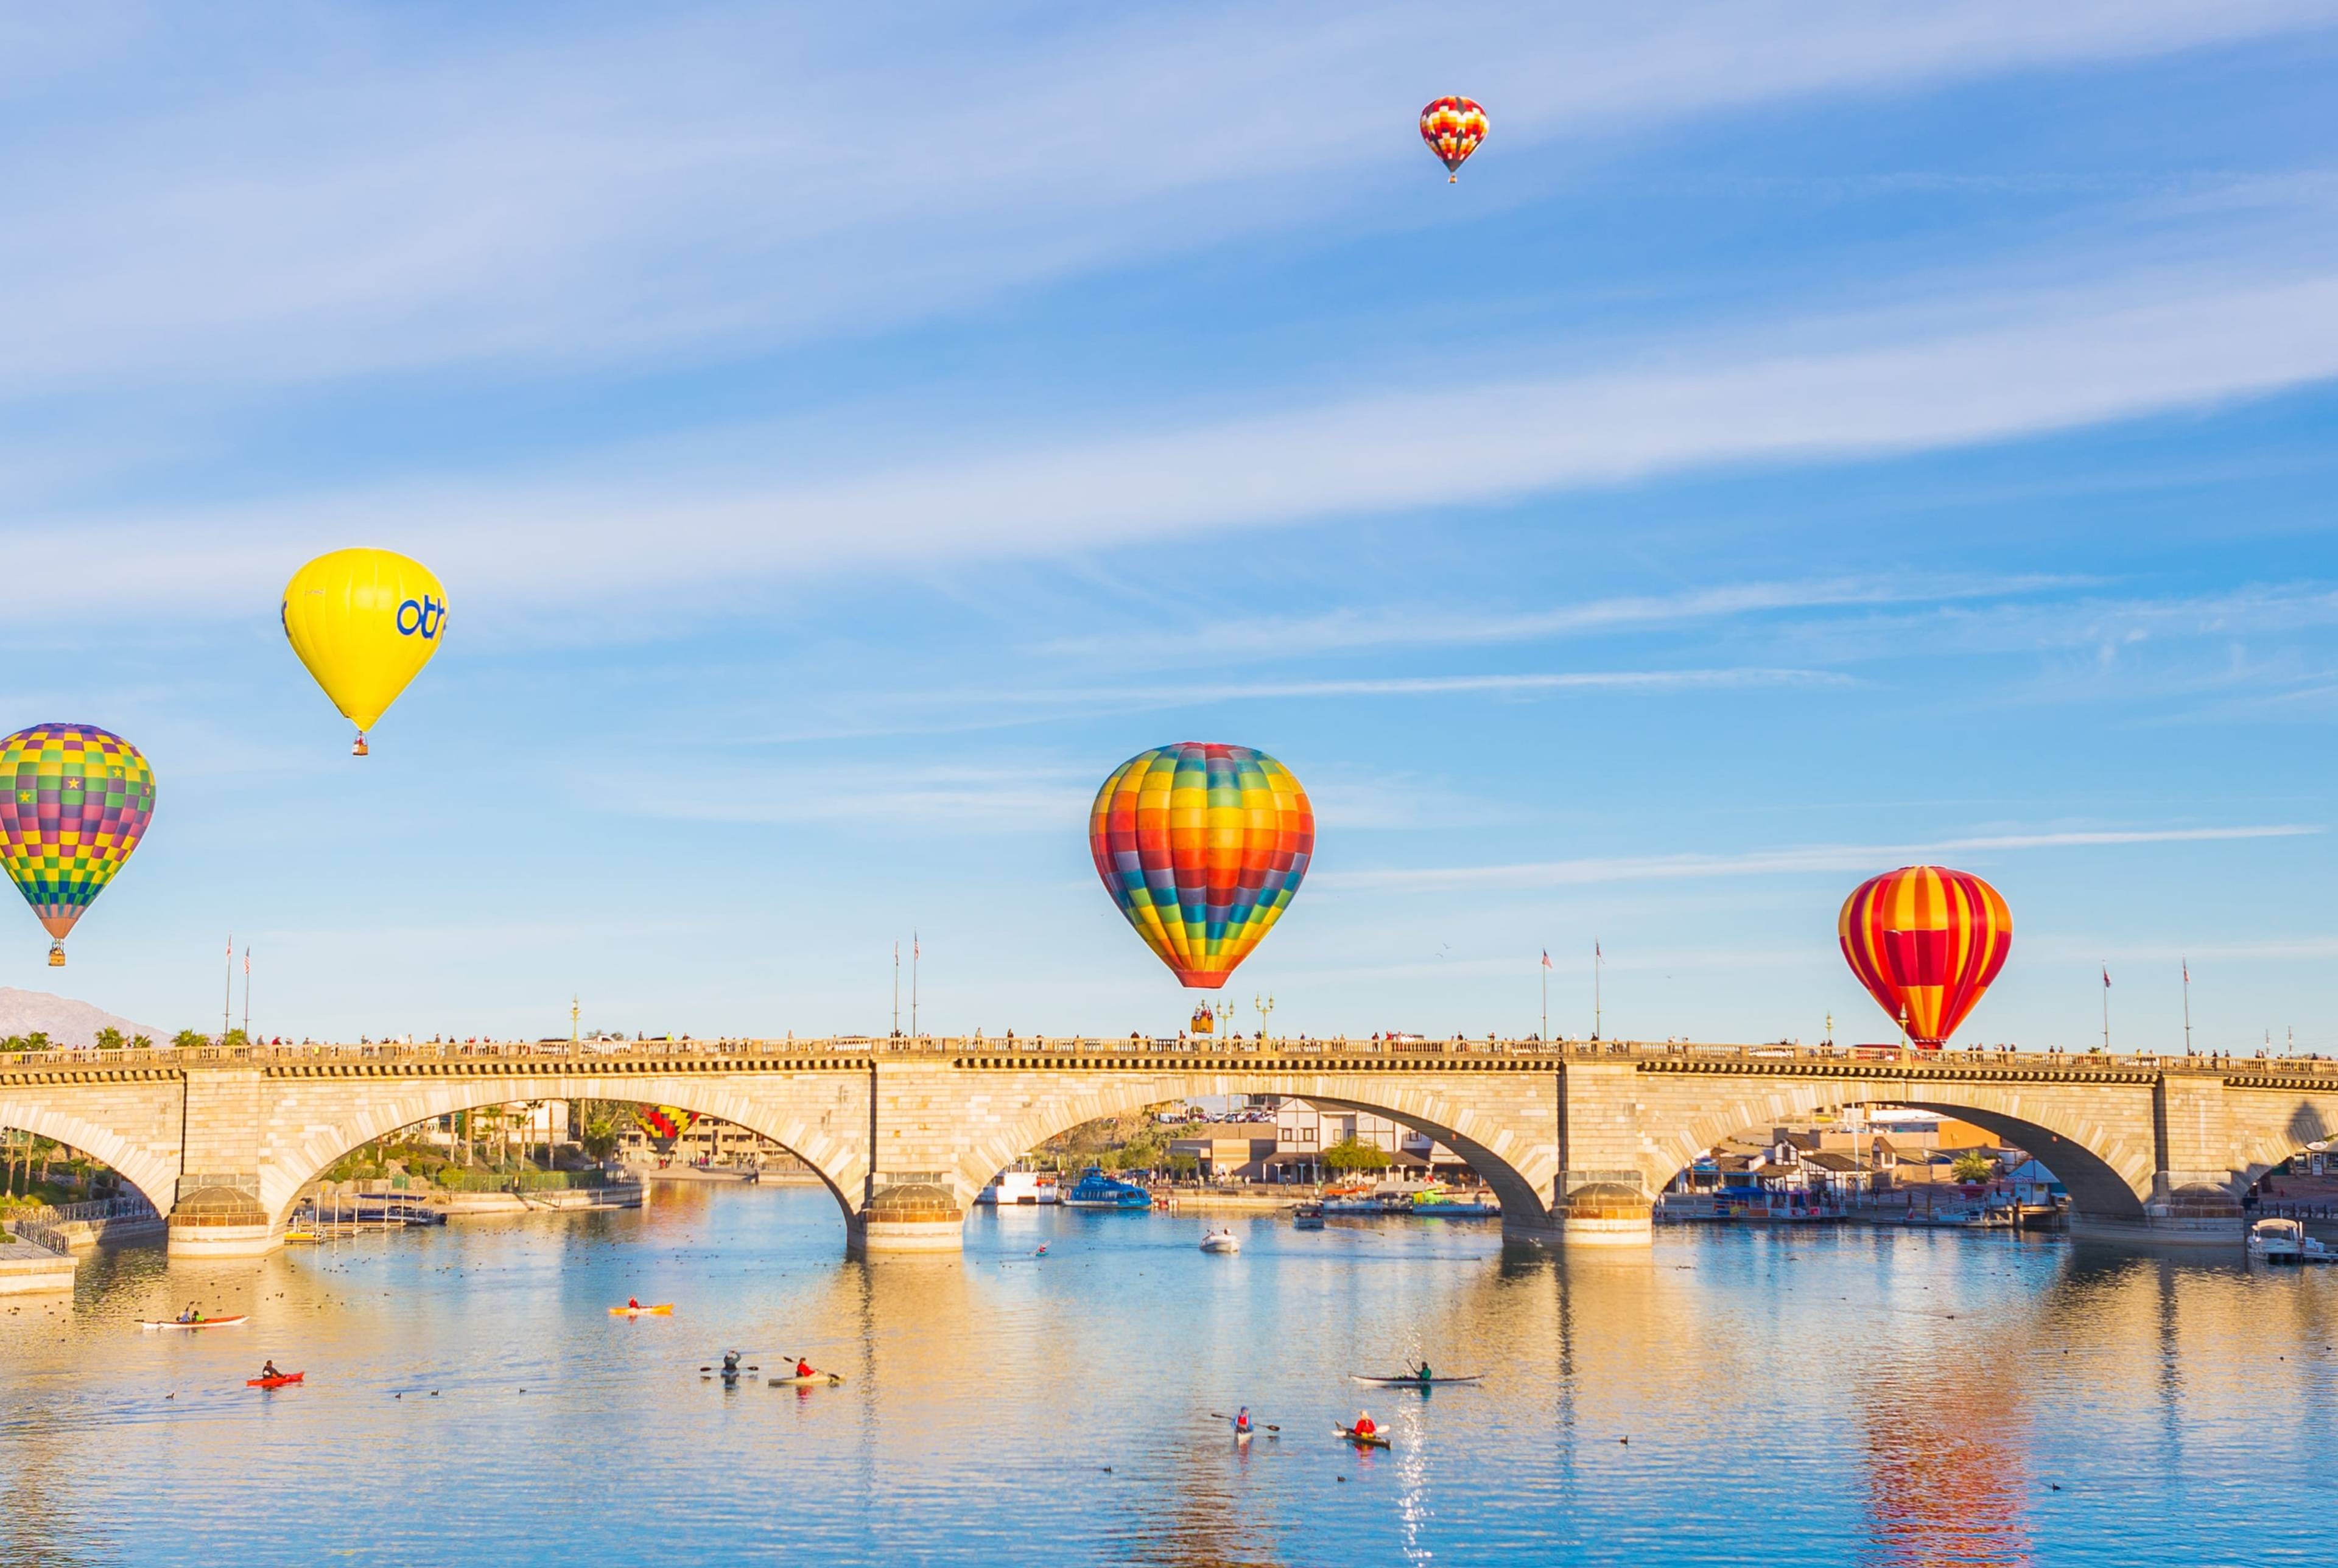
663,1309
274,1382
1361,1439
1415,1382
817,1380
198,1323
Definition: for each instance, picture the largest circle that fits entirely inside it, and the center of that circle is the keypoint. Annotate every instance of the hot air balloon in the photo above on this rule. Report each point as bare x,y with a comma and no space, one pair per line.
1202,846
365,623
665,1122
77,800
1453,127
1926,942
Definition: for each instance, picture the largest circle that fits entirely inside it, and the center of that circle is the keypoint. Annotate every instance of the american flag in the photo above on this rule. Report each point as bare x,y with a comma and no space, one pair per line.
2107,977
1545,957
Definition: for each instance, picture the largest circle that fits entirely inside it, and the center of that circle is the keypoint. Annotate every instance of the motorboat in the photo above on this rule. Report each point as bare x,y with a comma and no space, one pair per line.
1020,1189
1307,1217
2285,1242
1439,1204
1221,1240
1095,1190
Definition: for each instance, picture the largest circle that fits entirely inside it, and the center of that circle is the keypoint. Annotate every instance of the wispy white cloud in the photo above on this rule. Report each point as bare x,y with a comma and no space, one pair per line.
1342,630
1775,862
1198,694
516,546
378,193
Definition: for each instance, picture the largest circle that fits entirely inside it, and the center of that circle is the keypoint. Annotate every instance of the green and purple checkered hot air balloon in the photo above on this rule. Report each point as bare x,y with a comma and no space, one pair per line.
75,800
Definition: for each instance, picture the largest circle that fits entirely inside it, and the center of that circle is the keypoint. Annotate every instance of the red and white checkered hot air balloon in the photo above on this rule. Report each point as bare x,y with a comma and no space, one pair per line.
1453,127
1926,942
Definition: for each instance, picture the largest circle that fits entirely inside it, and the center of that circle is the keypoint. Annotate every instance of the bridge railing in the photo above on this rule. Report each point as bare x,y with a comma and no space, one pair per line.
588,1053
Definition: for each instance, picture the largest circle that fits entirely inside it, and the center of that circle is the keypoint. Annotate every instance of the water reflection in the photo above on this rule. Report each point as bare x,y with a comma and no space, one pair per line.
1898,1398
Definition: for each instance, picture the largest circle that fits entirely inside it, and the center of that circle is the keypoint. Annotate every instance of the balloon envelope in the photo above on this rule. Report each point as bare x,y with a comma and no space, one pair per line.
1202,846
1453,127
365,623
1928,940
78,799
666,1122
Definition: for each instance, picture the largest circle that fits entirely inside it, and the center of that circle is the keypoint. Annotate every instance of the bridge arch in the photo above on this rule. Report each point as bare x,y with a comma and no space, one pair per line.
151,1175
2266,1135
795,1127
1493,1138
2108,1175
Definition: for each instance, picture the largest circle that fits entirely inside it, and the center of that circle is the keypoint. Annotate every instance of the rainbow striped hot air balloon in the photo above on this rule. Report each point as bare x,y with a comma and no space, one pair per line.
1926,942
77,799
1202,846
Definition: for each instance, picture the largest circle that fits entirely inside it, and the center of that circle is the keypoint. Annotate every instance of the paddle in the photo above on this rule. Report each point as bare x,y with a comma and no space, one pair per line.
1260,1424
751,1368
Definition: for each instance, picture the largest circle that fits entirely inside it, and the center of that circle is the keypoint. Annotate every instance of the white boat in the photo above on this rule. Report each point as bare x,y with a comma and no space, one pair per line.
1221,1241
1020,1189
2285,1242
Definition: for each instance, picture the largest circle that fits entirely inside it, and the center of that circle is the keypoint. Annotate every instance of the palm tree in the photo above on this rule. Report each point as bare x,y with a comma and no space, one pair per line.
109,1039
190,1039
141,1042
1972,1168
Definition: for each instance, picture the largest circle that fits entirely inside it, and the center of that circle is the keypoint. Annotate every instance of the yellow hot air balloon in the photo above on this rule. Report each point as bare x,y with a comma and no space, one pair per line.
365,623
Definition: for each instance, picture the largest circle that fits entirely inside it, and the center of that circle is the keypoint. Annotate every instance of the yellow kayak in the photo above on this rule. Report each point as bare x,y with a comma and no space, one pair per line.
663,1309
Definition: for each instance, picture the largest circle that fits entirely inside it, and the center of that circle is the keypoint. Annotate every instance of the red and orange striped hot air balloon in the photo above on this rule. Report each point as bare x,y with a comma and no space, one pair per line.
1926,942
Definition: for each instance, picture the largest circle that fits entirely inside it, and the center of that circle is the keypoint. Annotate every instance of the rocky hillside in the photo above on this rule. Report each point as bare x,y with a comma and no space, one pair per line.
63,1020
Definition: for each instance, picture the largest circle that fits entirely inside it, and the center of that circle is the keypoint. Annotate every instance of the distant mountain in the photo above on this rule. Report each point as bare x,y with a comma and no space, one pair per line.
63,1020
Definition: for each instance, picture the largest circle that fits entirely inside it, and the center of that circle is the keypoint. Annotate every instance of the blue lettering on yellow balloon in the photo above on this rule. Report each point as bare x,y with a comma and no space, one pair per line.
426,616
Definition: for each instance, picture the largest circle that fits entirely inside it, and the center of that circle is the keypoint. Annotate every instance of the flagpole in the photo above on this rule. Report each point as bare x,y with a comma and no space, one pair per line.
917,951
2107,1009
2187,1006
247,995
1545,1036
227,998
1597,958
897,990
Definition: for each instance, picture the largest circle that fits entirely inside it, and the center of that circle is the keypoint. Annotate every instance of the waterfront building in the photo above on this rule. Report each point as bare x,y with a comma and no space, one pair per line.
708,1141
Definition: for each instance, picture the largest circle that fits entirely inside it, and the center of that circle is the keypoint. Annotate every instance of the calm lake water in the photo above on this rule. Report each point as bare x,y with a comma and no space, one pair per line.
1851,1396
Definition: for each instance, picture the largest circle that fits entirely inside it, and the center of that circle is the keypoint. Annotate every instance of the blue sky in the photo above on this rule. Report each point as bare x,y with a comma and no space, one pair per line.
1808,438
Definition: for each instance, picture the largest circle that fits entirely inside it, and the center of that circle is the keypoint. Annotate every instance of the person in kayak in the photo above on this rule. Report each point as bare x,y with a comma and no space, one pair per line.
632,1303
191,1315
731,1363
1363,1426
268,1370
1241,1422
1423,1373
803,1367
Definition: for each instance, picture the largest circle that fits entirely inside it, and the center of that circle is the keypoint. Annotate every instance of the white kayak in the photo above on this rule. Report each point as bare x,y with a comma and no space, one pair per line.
1221,1241
817,1380
198,1323
1414,1382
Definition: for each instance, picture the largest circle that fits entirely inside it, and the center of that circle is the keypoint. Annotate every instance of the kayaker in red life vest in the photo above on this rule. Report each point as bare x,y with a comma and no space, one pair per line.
1363,1426
632,1303
803,1367
1241,1422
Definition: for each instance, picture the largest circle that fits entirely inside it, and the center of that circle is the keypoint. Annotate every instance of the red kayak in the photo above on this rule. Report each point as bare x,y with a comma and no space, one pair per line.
274,1382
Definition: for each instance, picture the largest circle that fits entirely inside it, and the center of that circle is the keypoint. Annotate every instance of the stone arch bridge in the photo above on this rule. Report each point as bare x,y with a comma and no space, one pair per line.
1572,1137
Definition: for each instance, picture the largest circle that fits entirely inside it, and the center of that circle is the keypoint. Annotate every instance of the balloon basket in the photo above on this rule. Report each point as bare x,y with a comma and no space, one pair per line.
56,955
359,748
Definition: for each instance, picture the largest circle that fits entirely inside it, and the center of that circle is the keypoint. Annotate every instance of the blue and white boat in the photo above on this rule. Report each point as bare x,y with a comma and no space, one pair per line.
1096,1190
